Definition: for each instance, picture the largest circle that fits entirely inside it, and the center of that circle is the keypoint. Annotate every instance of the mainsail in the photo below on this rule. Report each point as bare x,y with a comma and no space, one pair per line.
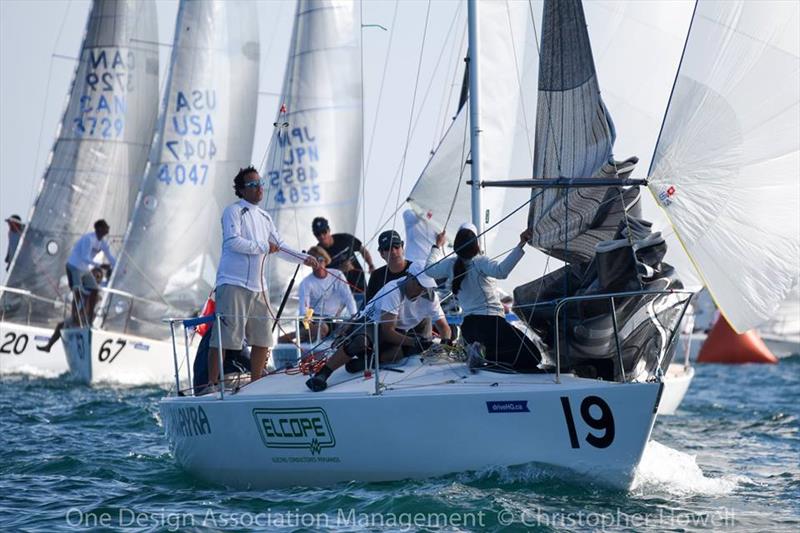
172,248
99,156
574,139
507,58
313,165
727,162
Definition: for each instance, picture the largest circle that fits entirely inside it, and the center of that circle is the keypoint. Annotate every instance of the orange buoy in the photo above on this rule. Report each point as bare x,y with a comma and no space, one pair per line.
724,345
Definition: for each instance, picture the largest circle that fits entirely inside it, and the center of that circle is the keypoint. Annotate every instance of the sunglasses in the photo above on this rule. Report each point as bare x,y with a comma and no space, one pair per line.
258,184
393,247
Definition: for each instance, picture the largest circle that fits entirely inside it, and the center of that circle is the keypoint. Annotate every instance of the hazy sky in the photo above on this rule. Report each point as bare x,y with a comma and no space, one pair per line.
39,41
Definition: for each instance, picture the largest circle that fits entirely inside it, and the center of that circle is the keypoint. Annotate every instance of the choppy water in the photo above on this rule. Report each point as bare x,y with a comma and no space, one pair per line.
74,457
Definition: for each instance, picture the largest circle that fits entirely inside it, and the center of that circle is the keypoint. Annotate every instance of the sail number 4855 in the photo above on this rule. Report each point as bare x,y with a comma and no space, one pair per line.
604,422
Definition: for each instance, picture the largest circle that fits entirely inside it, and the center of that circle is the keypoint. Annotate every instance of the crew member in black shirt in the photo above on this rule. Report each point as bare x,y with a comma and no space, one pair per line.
342,248
392,250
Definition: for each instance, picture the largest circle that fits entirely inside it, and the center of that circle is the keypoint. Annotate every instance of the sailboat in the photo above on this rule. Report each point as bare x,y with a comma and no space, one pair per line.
313,164
168,261
594,428
95,167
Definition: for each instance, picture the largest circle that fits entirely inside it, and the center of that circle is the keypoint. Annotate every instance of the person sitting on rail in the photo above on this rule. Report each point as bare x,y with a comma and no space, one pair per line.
402,306
326,292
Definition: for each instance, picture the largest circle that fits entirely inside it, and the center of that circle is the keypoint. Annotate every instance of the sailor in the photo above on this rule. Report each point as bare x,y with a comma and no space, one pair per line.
342,248
324,292
402,307
79,269
98,274
473,277
420,236
392,250
15,229
248,236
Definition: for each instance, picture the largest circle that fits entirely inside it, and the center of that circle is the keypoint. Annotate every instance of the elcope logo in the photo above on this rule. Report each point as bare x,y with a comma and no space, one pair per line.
665,195
295,428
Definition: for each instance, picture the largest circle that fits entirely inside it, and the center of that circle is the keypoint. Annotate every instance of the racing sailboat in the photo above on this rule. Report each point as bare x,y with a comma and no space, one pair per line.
95,169
168,261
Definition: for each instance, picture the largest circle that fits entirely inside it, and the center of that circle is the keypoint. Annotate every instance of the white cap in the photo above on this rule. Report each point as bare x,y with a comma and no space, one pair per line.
470,226
417,270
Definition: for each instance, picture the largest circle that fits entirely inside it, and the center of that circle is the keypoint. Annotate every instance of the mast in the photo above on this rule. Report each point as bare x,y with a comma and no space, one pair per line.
474,112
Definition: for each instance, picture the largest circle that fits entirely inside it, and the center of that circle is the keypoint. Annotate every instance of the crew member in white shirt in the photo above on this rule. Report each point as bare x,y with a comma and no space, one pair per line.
420,236
248,237
472,277
79,268
327,293
402,306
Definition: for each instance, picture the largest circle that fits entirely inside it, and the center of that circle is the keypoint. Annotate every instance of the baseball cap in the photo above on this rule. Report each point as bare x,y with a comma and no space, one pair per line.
389,238
417,270
470,226
14,218
320,225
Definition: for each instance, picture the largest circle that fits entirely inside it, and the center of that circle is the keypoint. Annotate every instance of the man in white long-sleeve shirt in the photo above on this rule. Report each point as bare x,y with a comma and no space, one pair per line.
80,264
248,237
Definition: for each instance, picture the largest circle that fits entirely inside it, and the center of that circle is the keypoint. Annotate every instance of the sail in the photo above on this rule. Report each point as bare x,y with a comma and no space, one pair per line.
98,159
170,255
727,162
441,194
313,165
574,139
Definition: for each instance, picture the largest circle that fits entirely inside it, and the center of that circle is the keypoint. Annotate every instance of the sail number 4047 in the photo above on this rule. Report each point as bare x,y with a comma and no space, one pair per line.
604,422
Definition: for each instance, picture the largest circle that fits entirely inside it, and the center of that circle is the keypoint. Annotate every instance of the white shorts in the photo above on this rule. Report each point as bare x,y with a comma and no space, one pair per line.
243,314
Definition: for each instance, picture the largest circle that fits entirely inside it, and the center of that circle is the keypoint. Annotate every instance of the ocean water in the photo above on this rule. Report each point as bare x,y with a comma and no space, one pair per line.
79,458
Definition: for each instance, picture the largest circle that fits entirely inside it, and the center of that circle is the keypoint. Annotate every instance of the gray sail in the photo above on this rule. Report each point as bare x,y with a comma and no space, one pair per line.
169,259
313,165
574,139
98,158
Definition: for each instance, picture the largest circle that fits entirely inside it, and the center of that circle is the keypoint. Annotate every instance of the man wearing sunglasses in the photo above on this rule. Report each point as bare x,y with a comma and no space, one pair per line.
248,237
402,307
392,250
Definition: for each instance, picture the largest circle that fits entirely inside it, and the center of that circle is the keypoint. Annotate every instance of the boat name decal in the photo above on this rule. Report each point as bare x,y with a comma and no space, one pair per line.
188,421
513,406
142,346
307,427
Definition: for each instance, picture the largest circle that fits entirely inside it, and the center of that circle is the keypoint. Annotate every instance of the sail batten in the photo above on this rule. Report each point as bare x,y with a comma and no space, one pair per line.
98,158
204,136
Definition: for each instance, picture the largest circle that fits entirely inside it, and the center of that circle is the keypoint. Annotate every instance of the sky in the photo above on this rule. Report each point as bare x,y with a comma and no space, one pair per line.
39,41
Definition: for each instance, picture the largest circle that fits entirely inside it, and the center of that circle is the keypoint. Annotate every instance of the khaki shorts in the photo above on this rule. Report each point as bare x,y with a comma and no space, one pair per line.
243,315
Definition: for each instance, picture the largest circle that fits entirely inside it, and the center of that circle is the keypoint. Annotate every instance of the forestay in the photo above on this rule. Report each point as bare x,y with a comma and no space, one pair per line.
313,165
205,135
99,156
727,162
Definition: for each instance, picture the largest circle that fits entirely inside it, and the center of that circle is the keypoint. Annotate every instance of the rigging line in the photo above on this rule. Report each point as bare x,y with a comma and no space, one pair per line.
47,92
529,144
413,104
368,159
362,181
447,92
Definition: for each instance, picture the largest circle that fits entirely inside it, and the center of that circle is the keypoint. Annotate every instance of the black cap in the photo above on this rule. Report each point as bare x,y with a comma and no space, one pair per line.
320,226
387,239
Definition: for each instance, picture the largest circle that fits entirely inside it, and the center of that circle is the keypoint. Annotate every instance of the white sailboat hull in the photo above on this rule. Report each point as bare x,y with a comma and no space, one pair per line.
98,356
432,420
18,353
676,383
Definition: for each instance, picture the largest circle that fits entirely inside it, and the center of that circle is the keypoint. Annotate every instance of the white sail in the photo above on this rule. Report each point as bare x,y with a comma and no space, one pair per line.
313,165
205,135
727,163
99,156
507,57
